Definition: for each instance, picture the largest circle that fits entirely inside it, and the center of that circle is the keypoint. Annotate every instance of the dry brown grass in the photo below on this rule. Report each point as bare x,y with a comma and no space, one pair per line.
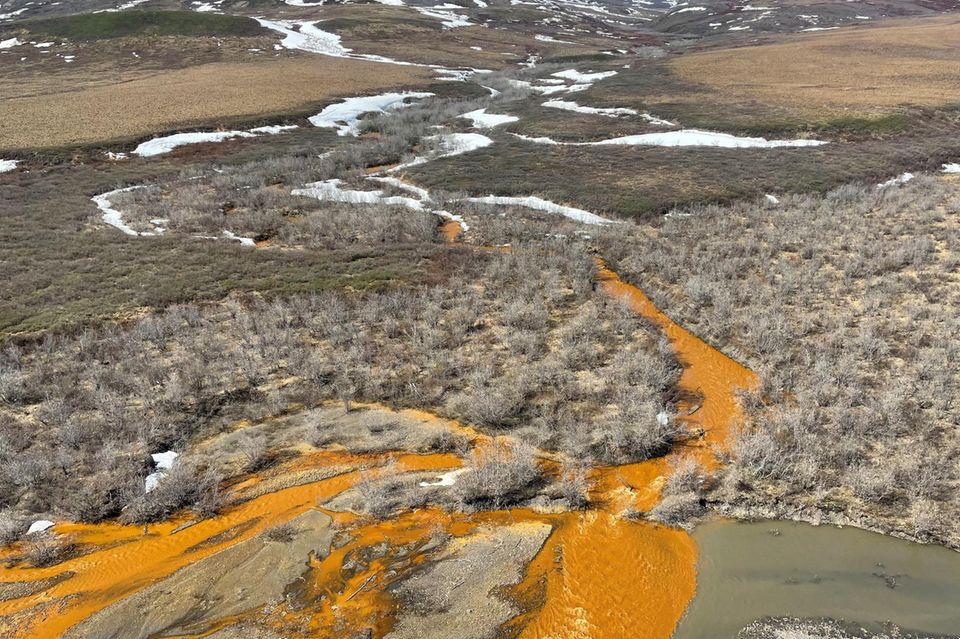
859,70
80,109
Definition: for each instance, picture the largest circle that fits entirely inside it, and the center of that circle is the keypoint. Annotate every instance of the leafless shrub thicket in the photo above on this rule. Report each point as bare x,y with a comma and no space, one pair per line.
497,476
254,200
267,210
516,342
845,305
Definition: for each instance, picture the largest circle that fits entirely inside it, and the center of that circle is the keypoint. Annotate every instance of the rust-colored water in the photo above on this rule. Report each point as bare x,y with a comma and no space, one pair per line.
606,576
707,372
614,578
600,575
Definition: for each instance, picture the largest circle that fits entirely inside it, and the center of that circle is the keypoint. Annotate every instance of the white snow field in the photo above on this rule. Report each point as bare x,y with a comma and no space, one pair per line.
539,204
483,120
685,137
344,116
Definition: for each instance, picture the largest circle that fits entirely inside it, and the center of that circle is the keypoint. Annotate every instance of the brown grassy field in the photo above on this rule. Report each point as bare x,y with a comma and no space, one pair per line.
76,106
864,70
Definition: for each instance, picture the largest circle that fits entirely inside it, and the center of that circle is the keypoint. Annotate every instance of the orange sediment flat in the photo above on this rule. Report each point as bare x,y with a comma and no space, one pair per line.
107,575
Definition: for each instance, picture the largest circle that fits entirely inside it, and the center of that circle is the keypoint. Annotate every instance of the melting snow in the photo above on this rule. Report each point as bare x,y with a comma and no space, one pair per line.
539,204
344,116
9,44
113,217
449,19
447,145
567,105
167,143
330,191
8,165
951,168
39,526
244,241
576,76
307,36
687,137
446,479
483,120
903,178
163,462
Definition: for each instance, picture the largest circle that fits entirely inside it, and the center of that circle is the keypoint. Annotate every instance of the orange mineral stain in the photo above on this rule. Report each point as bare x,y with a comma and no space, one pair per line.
450,230
105,576
707,372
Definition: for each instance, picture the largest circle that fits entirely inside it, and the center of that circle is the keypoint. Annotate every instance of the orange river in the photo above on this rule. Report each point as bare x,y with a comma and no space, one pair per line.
598,576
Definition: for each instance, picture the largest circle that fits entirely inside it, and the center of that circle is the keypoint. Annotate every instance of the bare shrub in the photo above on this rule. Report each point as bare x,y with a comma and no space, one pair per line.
497,475
574,485
284,533
47,549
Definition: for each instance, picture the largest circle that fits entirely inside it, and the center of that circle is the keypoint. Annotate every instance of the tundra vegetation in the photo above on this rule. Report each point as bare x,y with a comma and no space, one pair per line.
517,343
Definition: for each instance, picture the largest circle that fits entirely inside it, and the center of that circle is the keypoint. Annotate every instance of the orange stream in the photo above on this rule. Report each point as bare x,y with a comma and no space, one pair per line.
607,577
599,575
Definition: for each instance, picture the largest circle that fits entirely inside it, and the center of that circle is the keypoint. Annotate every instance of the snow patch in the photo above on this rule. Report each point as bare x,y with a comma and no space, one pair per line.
8,165
903,178
576,76
688,137
952,167
113,217
330,191
539,204
163,462
447,145
567,105
167,143
446,479
447,18
483,120
9,44
244,241
39,526
344,116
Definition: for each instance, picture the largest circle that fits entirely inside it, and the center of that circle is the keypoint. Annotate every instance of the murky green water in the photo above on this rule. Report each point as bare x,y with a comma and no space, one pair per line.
748,571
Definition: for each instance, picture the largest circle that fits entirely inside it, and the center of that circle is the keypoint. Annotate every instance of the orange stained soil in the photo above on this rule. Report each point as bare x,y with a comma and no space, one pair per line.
109,574
450,230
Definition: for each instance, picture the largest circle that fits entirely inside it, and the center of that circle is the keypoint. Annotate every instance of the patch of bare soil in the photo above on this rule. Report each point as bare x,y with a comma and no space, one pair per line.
247,576
453,596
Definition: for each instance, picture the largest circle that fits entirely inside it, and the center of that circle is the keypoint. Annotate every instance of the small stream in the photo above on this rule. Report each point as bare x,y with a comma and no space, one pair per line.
773,568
